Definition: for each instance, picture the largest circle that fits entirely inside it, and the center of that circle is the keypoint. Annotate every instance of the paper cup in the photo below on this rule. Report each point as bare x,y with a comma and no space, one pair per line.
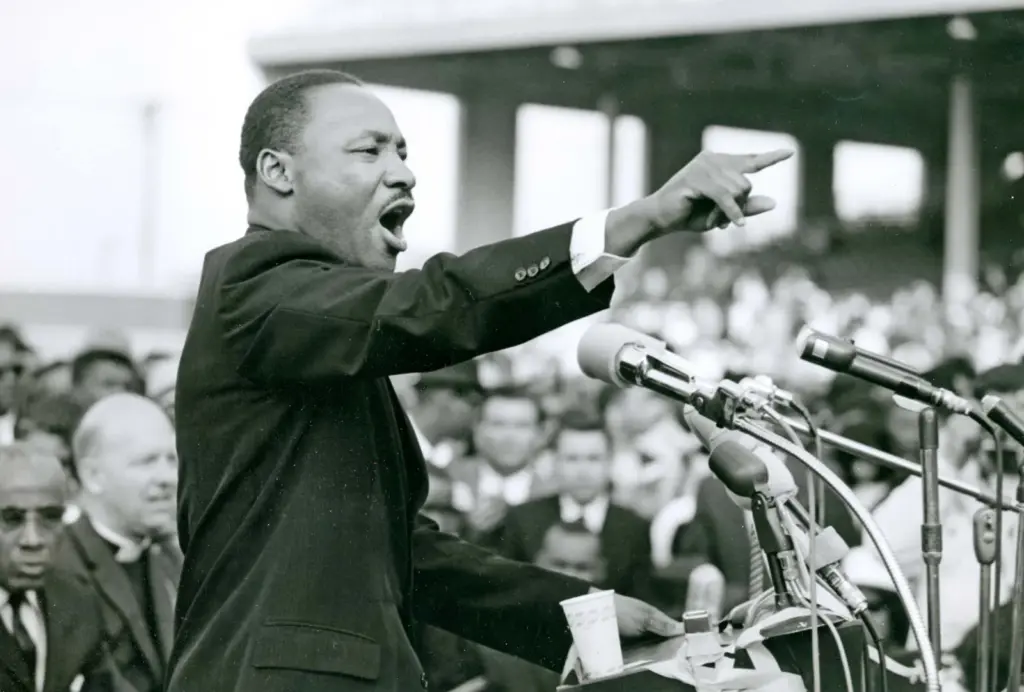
595,632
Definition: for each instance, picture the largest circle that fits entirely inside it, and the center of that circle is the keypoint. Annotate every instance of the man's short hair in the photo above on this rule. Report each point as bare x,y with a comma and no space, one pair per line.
9,334
86,359
513,393
277,115
579,420
51,412
1002,379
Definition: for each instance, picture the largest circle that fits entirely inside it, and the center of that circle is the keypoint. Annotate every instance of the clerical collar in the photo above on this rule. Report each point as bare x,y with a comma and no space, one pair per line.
128,551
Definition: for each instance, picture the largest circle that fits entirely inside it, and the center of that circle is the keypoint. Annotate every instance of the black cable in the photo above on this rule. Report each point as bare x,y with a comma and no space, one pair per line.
819,451
872,631
870,626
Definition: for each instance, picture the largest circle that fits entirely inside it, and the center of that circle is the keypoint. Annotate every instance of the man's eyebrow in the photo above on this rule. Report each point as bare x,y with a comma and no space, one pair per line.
382,137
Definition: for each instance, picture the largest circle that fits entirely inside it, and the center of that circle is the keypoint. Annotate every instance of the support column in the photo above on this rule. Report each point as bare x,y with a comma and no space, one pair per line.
674,137
817,199
963,211
609,107
487,156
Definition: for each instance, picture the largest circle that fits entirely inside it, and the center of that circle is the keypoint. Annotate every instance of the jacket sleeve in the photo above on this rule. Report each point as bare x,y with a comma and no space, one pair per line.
505,605
292,313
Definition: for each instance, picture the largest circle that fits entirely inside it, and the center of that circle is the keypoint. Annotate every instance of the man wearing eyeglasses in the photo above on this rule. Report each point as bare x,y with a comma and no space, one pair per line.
51,630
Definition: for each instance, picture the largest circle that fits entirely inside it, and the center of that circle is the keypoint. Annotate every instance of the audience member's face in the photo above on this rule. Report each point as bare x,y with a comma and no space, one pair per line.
634,411
31,520
105,377
56,380
10,372
584,464
576,554
902,425
508,432
134,472
445,414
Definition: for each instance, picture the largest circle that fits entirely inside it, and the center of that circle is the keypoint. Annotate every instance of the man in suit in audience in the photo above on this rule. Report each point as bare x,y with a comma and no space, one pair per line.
504,473
582,471
52,637
123,542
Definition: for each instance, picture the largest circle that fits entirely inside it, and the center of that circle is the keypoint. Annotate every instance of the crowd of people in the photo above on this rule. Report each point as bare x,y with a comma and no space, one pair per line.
605,484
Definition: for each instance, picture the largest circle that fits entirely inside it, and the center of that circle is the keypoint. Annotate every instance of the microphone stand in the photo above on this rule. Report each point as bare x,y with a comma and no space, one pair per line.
1017,637
778,549
928,658
931,526
869,453
985,554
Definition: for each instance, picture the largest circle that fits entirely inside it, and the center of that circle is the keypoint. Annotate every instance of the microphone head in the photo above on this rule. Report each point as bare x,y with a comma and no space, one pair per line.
989,402
804,338
599,348
744,471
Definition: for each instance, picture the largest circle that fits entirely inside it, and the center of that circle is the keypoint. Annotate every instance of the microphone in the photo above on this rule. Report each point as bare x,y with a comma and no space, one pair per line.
743,471
821,350
1002,415
843,351
624,357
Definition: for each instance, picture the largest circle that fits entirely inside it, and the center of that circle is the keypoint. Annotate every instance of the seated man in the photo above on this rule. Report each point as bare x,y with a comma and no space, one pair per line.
582,514
52,633
572,549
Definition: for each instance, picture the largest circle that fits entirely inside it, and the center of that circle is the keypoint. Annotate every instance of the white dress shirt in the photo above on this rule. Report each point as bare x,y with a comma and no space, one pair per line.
7,429
32,617
587,256
128,551
513,489
592,514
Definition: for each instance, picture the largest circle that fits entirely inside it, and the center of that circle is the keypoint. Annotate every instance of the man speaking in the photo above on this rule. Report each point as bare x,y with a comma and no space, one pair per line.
306,559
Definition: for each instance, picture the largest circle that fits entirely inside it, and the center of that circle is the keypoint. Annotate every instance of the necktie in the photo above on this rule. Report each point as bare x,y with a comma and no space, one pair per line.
756,561
21,635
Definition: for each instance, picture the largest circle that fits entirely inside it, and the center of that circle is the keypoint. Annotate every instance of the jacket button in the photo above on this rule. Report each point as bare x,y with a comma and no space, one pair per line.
520,274
532,271
545,263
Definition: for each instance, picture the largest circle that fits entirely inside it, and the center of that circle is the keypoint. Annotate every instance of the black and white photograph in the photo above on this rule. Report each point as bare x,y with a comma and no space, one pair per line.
512,346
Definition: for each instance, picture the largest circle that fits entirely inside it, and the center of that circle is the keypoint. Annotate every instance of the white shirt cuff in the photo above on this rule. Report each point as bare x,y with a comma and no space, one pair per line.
591,264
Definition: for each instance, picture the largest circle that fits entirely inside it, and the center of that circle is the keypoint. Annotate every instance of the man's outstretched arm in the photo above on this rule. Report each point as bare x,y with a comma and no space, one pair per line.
293,314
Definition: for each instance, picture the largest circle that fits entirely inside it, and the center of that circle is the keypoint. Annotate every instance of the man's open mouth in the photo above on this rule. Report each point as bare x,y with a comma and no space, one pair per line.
392,220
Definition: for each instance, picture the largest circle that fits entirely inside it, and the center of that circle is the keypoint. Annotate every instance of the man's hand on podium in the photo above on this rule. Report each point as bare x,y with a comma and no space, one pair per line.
637,618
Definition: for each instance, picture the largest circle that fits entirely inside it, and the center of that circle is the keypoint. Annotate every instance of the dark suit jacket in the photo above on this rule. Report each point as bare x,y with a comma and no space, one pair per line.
138,654
301,480
75,644
718,534
625,542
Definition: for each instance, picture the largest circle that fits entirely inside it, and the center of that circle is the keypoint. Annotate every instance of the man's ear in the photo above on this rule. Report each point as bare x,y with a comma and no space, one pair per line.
276,170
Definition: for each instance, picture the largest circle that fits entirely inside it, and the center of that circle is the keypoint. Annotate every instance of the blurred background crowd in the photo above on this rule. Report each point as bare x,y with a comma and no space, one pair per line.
898,227
547,466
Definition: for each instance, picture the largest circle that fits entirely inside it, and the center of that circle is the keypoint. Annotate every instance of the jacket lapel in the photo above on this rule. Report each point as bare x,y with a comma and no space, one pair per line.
68,646
115,588
163,577
14,663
